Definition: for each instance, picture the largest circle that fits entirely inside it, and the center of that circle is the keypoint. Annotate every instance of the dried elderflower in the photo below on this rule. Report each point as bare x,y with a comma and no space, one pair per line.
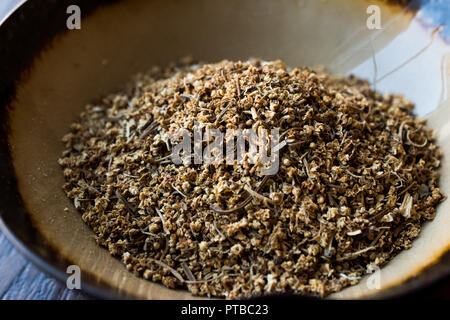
357,177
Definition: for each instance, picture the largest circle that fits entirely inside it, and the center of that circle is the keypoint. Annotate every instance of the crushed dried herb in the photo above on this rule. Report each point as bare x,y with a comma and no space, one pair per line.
358,176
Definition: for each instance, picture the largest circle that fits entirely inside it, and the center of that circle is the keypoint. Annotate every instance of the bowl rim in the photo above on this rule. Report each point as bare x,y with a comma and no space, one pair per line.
24,8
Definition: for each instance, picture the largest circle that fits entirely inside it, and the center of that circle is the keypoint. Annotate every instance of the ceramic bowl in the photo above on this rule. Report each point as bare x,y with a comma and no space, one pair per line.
49,73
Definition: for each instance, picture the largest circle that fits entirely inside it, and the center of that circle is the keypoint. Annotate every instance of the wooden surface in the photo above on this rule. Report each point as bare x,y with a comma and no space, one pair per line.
21,280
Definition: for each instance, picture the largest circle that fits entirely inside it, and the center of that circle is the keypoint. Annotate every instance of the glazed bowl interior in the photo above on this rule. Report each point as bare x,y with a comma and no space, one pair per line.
120,39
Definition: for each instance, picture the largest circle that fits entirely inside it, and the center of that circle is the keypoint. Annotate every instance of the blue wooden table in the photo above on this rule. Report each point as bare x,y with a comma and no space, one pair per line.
19,279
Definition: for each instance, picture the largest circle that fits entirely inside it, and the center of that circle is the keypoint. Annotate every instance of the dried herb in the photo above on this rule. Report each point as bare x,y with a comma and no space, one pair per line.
358,176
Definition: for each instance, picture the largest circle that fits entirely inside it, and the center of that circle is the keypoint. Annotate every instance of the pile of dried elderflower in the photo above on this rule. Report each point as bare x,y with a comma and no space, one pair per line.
358,176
